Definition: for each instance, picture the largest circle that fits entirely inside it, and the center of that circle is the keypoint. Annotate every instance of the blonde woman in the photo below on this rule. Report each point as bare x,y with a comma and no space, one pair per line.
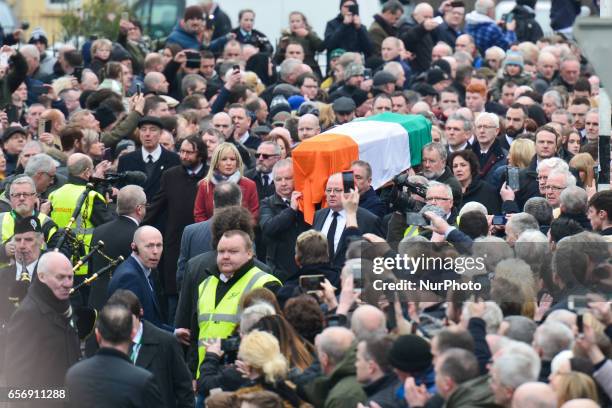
520,155
225,165
584,163
262,363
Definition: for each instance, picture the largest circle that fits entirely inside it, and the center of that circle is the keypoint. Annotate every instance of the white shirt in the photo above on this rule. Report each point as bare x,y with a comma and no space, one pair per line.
244,137
136,340
147,271
341,224
133,219
155,153
29,267
196,170
509,140
462,147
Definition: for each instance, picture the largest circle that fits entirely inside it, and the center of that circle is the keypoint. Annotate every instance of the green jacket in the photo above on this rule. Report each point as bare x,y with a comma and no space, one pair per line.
122,130
340,389
475,393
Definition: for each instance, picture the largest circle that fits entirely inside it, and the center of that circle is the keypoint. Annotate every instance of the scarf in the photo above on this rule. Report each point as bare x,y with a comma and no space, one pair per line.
44,293
219,177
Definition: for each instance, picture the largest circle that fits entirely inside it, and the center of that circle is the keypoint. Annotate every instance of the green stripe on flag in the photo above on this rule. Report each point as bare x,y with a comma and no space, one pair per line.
417,126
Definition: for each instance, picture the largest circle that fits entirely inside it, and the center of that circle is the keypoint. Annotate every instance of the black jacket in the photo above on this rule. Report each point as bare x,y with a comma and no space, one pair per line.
291,288
446,34
371,202
384,392
221,23
420,42
527,28
494,158
133,161
161,354
172,208
366,223
14,78
110,380
257,38
280,227
40,325
347,37
484,193
528,182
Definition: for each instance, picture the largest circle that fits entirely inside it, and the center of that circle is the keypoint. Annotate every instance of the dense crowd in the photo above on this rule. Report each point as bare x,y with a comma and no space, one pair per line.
157,251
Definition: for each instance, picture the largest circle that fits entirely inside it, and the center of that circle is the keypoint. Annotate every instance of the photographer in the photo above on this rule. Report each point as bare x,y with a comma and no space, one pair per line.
346,31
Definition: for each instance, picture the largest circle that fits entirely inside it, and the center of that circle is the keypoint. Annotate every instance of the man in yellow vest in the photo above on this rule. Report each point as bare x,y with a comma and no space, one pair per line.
94,210
24,203
219,295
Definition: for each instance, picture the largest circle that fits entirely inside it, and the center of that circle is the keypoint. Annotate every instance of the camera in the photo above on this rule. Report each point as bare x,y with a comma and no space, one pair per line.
230,348
105,185
402,201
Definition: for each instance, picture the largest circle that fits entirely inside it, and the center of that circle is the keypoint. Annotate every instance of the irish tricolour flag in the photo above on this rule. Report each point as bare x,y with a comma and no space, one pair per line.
390,142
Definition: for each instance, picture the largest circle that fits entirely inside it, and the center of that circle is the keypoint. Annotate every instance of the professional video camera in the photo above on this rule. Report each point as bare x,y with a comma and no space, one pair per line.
401,200
110,180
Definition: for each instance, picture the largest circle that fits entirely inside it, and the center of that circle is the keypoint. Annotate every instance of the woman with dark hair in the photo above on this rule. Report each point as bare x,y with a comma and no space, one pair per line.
465,168
299,31
305,315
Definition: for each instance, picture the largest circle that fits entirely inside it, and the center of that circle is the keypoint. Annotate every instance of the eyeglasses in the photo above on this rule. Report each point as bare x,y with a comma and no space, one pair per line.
186,151
265,156
433,199
24,195
554,188
486,127
334,190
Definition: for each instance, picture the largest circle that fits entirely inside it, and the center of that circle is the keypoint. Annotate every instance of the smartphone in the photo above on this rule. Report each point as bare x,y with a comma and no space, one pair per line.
580,323
236,67
138,89
438,19
577,303
193,60
78,73
311,282
499,220
508,17
416,219
367,73
44,126
108,154
354,9
391,318
125,16
512,177
348,181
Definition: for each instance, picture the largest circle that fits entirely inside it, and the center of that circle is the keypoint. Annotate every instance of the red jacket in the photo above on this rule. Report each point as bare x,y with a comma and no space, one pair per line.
203,208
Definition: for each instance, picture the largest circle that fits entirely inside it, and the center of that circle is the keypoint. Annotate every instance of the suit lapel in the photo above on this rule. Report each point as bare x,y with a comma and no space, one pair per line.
321,221
148,346
145,282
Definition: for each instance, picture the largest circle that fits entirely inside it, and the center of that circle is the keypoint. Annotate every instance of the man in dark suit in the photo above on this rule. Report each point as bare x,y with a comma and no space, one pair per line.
197,238
176,197
152,159
268,153
109,378
158,352
343,219
281,222
42,324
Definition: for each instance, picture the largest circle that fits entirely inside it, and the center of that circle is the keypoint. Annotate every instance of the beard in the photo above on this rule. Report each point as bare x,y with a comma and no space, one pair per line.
430,174
512,132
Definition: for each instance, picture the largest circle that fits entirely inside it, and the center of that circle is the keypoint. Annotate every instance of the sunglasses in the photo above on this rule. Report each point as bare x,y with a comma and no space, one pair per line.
265,156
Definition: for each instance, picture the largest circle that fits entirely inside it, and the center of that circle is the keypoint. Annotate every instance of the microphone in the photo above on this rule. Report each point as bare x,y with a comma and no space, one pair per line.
127,177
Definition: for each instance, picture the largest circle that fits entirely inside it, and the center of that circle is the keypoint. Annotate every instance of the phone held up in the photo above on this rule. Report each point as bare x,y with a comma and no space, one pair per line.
348,181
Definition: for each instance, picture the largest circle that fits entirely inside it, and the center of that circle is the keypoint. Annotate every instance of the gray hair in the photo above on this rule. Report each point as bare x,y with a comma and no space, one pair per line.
23,180
556,96
492,316
253,314
487,115
288,66
275,146
39,163
190,81
482,249
521,222
130,197
552,338
518,363
439,147
280,165
332,345
412,245
34,143
393,67
520,328
570,118
570,180
553,163
483,6
574,200
473,206
540,209
467,123
362,319
448,188
532,247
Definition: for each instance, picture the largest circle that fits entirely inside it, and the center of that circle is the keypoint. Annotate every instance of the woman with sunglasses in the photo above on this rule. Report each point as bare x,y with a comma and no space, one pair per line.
225,165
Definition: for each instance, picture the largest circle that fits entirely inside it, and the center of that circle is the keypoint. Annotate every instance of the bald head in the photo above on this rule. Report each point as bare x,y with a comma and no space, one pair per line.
143,233
422,12
148,245
332,345
534,395
367,321
78,164
308,126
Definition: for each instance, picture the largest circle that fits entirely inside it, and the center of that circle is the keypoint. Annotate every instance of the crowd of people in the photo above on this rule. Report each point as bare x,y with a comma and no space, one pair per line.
155,251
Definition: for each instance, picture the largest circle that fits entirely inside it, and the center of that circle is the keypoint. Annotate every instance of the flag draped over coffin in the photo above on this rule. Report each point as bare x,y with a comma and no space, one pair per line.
390,142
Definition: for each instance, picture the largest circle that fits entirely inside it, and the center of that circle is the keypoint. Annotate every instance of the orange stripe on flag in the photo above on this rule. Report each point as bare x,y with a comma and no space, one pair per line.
314,160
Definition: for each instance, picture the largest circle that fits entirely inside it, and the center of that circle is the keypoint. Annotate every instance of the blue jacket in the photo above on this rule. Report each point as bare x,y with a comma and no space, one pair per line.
183,38
487,33
131,276
371,202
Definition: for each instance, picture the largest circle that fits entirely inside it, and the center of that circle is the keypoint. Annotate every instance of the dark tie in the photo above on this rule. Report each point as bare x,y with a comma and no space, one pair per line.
149,166
150,279
266,180
331,233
